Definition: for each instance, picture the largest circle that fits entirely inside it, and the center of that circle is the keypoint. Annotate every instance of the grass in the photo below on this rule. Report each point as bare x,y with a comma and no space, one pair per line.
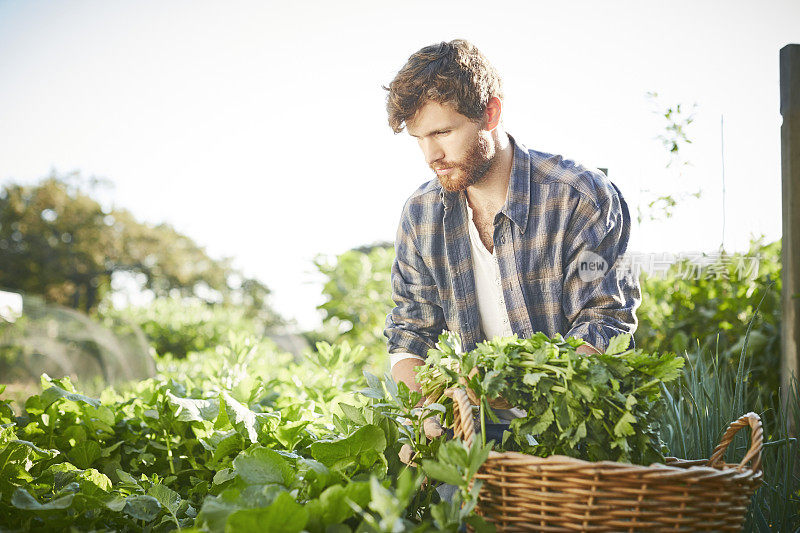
713,394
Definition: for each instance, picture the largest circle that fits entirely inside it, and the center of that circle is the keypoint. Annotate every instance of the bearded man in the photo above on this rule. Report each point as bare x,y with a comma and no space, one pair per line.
506,240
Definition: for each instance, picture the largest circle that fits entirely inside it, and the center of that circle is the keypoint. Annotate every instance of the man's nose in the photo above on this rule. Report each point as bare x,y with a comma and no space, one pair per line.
433,151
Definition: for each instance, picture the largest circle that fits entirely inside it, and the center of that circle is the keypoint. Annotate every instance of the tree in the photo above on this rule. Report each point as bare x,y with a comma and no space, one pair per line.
59,242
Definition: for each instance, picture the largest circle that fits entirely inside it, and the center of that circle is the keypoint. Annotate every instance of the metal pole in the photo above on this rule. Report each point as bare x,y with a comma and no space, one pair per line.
790,245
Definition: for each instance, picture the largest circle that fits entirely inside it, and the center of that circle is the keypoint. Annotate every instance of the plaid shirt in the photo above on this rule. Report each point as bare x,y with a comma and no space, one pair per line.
556,216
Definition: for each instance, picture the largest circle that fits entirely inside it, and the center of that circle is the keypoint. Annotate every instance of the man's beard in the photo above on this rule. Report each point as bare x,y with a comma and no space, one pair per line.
471,170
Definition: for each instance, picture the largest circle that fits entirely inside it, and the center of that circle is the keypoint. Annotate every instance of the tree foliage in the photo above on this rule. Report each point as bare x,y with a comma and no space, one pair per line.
58,241
662,196
358,293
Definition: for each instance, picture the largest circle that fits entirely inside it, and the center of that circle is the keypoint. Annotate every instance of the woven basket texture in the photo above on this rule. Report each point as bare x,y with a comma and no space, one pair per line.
557,493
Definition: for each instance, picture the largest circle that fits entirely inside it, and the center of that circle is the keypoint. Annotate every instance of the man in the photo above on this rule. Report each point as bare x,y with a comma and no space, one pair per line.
505,240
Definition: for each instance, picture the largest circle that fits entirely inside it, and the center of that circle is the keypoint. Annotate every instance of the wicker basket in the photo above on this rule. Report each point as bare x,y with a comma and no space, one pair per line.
557,493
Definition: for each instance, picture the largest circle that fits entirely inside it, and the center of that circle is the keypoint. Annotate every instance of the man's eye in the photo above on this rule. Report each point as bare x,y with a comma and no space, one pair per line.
441,133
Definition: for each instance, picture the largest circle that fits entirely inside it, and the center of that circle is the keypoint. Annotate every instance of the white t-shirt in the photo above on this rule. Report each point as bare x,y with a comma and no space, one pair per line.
486,270
491,304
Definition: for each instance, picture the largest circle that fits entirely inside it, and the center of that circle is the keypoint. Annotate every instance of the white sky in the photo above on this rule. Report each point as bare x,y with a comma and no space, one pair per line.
259,129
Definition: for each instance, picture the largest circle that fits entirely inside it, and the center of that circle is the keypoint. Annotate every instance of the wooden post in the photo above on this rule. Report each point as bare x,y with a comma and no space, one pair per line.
790,245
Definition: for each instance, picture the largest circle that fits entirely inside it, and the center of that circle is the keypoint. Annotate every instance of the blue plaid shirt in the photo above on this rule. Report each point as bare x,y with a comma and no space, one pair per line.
560,222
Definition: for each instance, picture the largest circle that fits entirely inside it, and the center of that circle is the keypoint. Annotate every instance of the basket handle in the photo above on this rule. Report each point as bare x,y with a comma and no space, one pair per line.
463,423
756,442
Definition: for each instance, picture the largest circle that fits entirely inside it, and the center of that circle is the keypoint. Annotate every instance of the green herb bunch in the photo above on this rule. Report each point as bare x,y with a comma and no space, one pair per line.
595,407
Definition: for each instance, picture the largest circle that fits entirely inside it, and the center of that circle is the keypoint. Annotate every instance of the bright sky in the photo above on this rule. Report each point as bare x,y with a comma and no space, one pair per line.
259,128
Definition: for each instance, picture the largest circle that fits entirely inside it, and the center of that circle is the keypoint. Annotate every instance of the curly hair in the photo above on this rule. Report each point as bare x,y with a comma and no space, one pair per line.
454,73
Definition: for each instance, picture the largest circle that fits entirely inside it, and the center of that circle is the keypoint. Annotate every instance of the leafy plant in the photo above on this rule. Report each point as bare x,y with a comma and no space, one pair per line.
358,296
228,440
714,306
457,465
177,327
660,204
595,407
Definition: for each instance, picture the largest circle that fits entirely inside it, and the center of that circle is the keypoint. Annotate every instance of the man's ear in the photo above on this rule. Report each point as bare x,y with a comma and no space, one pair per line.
491,117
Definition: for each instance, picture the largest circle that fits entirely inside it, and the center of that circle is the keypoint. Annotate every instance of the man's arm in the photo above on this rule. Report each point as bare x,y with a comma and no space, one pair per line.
417,319
404,371
599,303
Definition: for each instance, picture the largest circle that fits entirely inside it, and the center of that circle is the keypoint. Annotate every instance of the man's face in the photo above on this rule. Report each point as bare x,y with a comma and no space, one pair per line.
456,148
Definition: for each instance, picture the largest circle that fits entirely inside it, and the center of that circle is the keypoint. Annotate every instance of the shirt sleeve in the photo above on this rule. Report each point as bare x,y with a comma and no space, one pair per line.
600,295
396,357
417,320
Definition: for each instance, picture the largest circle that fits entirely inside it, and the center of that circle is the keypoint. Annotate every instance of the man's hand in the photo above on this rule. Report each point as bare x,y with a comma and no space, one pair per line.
586,349
432,428
497,403
406,372
406,455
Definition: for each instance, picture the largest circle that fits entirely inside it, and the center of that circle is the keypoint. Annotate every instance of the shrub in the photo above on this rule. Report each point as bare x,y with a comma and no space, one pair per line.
179,326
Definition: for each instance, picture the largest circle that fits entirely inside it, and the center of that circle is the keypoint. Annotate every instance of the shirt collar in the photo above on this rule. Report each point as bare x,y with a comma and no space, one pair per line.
518,199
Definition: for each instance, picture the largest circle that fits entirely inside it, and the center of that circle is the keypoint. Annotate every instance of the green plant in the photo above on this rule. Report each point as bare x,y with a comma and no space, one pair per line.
714,306
358,296
223,440
177,327
660,204
591,406
457,464
711,395
699,409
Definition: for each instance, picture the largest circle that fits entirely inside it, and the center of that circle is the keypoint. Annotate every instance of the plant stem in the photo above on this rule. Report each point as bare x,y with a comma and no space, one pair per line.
645,386
483,421
169,454
618,408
